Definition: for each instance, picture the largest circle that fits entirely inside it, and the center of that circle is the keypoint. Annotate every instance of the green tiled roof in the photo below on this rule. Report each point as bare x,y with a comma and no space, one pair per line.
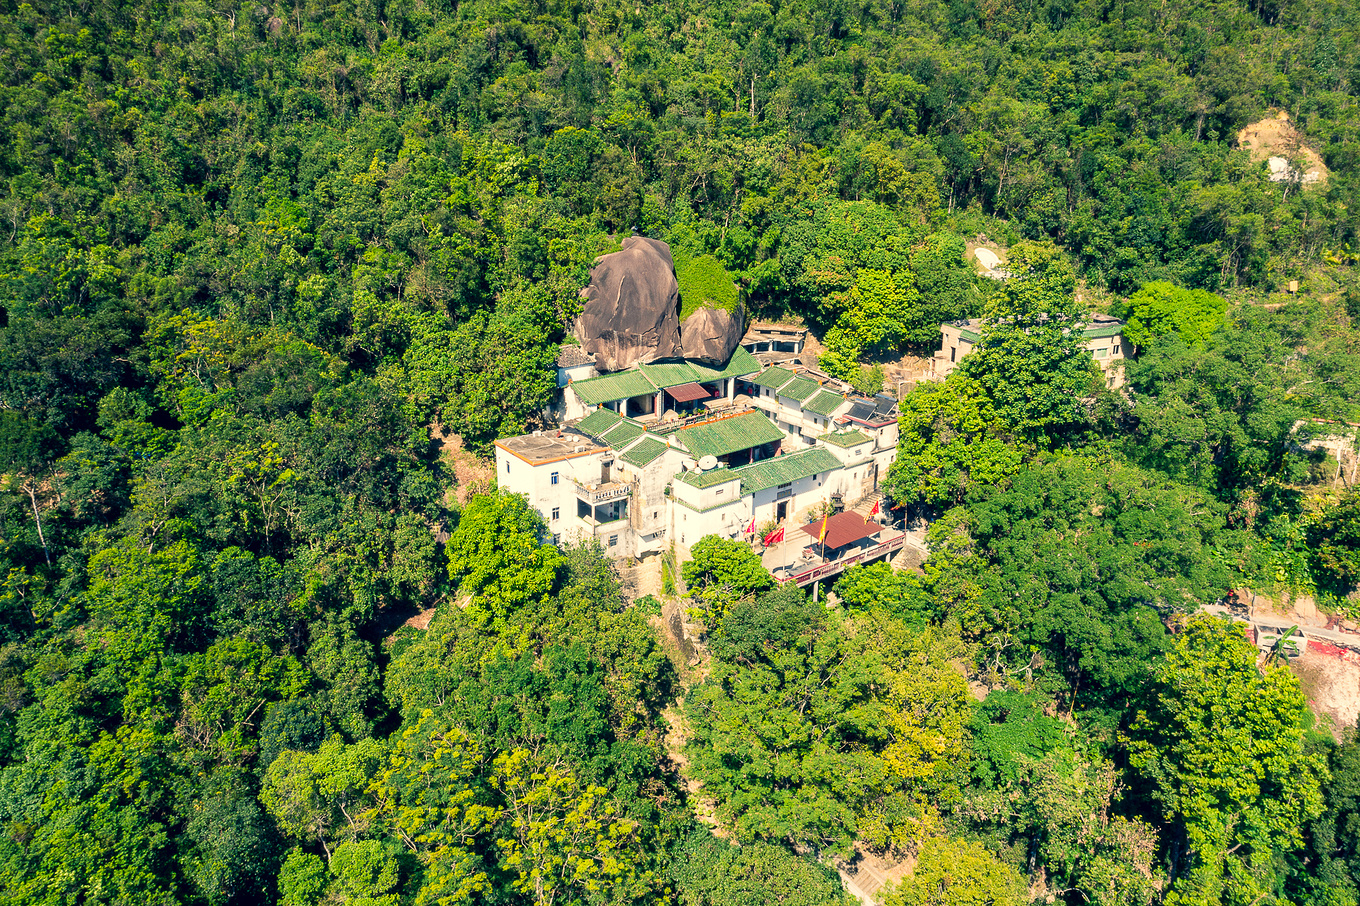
845,438
783,469
609,387
773,378
823,403
1091,332
650,378
800,388
669,374
644,451
624,433
739,432
741,364
707,479
598,422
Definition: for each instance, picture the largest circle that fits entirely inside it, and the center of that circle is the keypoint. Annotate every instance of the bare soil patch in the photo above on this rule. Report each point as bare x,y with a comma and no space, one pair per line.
1330,677
1276,136
471,474
677,734
421,620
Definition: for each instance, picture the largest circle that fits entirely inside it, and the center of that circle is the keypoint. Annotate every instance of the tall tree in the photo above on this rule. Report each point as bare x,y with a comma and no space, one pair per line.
1221,747
1031,361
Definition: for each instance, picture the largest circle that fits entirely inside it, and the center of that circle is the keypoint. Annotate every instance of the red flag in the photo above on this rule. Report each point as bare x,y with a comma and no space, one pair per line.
821,536
874,511
752,527
774,537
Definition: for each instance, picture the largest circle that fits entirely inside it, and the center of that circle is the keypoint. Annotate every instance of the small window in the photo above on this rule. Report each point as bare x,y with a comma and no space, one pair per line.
554,477
613,540
1116,349
720,492
557,539
1103,352
952,351
557,513
507,468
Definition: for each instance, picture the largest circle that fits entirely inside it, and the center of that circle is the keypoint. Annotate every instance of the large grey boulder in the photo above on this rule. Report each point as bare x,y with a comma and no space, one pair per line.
631,312
711,335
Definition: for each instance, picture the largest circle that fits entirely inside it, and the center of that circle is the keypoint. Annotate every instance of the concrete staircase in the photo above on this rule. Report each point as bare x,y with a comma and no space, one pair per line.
914,553
866,503
862,880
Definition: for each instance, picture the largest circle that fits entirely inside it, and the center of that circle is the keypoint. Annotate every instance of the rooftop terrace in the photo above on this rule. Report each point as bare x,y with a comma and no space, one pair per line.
549,446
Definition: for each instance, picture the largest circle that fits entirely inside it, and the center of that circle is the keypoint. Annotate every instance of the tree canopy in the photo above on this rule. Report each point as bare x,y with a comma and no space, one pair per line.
272,278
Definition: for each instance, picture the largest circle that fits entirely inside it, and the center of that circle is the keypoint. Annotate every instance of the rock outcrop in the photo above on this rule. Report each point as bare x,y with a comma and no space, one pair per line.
631,312
711,335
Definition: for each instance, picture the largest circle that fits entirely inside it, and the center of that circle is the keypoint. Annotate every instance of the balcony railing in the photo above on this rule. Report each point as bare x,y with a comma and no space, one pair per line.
605,492
810,574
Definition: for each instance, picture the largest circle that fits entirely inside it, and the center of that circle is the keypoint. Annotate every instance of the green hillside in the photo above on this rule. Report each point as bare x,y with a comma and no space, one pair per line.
272,278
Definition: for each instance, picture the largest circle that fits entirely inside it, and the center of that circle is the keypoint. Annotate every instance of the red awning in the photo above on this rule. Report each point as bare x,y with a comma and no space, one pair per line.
842,529
687,393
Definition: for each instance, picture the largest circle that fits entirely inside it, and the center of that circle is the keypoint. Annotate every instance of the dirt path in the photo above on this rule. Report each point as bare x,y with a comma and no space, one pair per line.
471,475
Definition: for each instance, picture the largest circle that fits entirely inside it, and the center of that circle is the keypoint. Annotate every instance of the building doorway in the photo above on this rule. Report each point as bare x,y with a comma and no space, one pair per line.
781,510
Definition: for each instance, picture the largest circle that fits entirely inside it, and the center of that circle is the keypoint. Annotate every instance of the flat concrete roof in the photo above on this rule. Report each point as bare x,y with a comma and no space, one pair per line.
549,446
758,331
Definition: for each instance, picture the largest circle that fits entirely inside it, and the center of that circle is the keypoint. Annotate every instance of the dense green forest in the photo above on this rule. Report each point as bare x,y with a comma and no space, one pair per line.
257,259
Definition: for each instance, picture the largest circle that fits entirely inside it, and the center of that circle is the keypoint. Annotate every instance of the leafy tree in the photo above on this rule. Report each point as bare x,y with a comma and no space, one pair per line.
362,871
498,559
27,453
958,873
948,290
721,573
146,606
878,310
1031,361
814,731
564,841
879,585
302,879
426,796
1042,791
1009,729
93,826
1328,867
237,849
1160,309
1073,557
710,872
1334,545
952,445
320,798
346,665
1219,417
1221,747
224,693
